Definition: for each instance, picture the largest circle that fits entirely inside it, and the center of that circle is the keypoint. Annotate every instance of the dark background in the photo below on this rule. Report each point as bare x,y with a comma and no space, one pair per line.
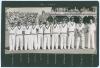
52,60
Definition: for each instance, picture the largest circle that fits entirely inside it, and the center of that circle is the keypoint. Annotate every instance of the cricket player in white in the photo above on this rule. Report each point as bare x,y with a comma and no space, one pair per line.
42,20
63,34
27,37
80,35
12,34
19,37
91,29
71,31
40,36
47,35
55,35
34,36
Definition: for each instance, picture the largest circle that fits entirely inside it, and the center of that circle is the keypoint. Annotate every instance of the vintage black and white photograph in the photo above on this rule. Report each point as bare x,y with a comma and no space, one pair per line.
50,33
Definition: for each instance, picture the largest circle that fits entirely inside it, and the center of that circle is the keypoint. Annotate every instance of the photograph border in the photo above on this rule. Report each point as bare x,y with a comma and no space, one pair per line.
4,57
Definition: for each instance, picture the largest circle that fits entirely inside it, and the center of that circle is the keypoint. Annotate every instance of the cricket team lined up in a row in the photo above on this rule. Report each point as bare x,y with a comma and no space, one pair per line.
50,36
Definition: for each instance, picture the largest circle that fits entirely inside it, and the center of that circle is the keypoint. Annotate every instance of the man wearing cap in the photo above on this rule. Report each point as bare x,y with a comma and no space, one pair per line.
19,37
40,35
34,36
71,31
12,35
27,36
41,21
55,34
47,32
80,34
63,33
34,32
46,35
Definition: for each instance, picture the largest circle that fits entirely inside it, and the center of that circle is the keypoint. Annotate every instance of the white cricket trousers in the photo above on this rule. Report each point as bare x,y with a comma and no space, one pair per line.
19,42
40,41
34,41
91,39
46,41
71,40
79,39
63,41
11,42
27,42
55,41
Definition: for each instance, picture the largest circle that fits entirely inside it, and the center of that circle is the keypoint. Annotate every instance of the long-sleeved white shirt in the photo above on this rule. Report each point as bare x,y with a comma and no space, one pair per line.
19,29
47,29
63,28
91,27
12,30
80,27
55,29
40,28
71,26
27,29
34,29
